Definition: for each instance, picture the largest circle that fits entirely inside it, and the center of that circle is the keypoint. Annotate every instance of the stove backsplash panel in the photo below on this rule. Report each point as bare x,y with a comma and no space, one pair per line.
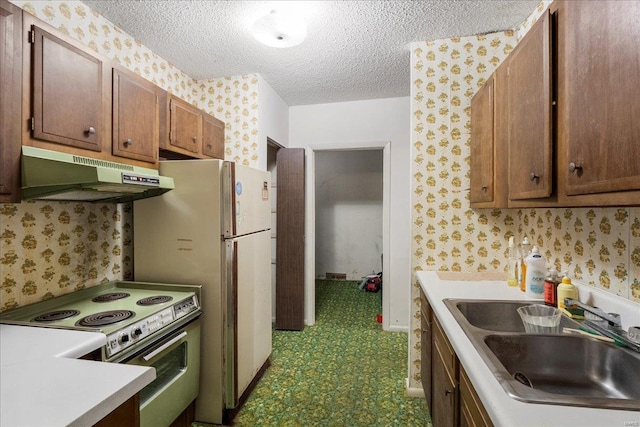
49,249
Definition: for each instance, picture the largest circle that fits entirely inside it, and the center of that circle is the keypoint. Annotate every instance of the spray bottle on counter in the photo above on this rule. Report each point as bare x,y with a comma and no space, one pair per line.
525,248
536,272
514,260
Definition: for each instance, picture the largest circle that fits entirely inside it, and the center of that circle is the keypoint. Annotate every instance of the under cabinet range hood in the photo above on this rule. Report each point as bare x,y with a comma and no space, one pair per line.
51,175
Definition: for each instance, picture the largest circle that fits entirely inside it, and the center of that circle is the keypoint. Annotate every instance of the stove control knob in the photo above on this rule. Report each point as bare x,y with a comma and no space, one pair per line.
136,332
124,338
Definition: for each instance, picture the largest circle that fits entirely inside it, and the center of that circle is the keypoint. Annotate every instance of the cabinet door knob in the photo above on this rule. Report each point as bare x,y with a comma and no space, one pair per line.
195,139
90,131
448,392
209,146
573,167
484,188
128,142
533,176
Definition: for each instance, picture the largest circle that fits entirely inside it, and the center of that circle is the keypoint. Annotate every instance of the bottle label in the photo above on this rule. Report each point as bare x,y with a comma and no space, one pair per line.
536,282
550,293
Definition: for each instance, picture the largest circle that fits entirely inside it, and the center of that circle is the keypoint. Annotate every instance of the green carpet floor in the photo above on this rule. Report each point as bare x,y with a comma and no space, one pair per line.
343,371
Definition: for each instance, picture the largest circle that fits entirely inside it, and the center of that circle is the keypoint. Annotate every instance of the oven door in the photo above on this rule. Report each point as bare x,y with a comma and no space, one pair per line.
176,359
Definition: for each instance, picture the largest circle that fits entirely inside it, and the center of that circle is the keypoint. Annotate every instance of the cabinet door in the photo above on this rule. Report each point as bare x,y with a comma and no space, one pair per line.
444,393
426,348
186,126
10,100
472,412
600,84
135,117
212,137
530,114
482,147
67,93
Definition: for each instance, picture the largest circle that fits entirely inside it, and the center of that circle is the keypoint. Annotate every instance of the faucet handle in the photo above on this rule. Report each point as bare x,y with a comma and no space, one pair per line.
634,334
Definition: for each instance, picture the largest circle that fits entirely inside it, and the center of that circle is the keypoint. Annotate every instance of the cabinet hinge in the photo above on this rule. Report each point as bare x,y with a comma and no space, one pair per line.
33,123
32,36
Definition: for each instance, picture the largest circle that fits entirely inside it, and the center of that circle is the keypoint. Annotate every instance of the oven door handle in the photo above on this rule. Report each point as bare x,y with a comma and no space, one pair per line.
163,347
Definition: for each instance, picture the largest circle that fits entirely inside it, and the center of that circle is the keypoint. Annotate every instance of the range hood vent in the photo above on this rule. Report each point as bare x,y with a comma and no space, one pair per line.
51,175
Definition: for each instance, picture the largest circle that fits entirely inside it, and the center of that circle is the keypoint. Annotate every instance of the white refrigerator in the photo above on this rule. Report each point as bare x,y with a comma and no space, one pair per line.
213,230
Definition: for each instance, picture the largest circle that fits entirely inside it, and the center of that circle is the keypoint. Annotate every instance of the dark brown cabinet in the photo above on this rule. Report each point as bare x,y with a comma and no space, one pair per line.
193,133
472,412
10,100
68,93
186,126
482,147
450,395
426,347
136,117
530,120
572,128
444,387
598,82
212,137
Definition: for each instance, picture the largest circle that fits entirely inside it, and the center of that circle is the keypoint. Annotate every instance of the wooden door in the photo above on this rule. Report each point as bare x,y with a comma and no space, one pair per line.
212,137
600,86
529,93
290,241
186,126
482,146
10,100
136,113
67,93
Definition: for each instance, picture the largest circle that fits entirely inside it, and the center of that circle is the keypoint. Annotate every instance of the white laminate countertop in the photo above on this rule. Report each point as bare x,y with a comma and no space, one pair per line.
503,410
43,384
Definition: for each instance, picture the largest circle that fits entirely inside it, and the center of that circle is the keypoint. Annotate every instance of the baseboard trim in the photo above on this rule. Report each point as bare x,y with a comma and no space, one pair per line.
413,391
397,328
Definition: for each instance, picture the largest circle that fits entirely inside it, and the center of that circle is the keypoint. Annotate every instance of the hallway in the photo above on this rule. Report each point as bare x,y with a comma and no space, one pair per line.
343,371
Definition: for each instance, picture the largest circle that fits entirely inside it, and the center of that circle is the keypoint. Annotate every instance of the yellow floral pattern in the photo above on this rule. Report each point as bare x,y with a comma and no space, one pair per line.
52,248
597,246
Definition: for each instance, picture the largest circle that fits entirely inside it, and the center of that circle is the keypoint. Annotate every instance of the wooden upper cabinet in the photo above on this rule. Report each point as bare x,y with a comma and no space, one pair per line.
212,137
529,94
599,81
482,147
10,100
136,115
67,93
186,126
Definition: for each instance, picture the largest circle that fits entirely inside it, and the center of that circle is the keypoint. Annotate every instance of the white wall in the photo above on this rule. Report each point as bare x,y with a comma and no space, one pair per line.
348,212
359,122
273,120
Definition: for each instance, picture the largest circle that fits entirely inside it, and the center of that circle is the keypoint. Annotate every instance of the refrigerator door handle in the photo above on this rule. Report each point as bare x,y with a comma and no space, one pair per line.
228,199
230,332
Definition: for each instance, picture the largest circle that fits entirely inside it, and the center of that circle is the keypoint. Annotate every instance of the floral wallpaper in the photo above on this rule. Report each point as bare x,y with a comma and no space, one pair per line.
597,246
52,248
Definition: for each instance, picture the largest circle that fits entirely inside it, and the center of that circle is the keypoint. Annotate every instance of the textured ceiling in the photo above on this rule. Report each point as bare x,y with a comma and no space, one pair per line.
354,50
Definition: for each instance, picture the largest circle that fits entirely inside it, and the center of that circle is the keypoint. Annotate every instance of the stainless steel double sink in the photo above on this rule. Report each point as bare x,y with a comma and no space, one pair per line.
560,369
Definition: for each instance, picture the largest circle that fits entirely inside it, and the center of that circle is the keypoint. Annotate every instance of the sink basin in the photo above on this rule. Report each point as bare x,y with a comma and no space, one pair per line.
495,315
562,369
586,372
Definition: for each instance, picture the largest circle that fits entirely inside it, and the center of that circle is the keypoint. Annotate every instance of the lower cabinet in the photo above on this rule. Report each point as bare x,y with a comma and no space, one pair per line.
125,415
450,395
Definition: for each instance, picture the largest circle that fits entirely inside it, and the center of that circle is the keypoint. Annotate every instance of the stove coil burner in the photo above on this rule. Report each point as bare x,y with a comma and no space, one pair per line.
105,318
156,299
113,296
52,316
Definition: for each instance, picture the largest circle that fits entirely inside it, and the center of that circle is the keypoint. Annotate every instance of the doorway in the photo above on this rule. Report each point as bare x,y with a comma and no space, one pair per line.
272,166
314,154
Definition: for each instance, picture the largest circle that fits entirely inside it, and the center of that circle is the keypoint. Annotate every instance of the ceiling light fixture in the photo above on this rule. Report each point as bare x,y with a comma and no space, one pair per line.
279,29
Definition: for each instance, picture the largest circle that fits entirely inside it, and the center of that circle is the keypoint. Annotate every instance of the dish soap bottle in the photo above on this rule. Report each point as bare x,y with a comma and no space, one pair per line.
512,274
525,248
536,272
566,289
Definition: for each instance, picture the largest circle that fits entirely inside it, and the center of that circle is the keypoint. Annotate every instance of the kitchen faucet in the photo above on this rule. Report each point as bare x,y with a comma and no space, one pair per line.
614,326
